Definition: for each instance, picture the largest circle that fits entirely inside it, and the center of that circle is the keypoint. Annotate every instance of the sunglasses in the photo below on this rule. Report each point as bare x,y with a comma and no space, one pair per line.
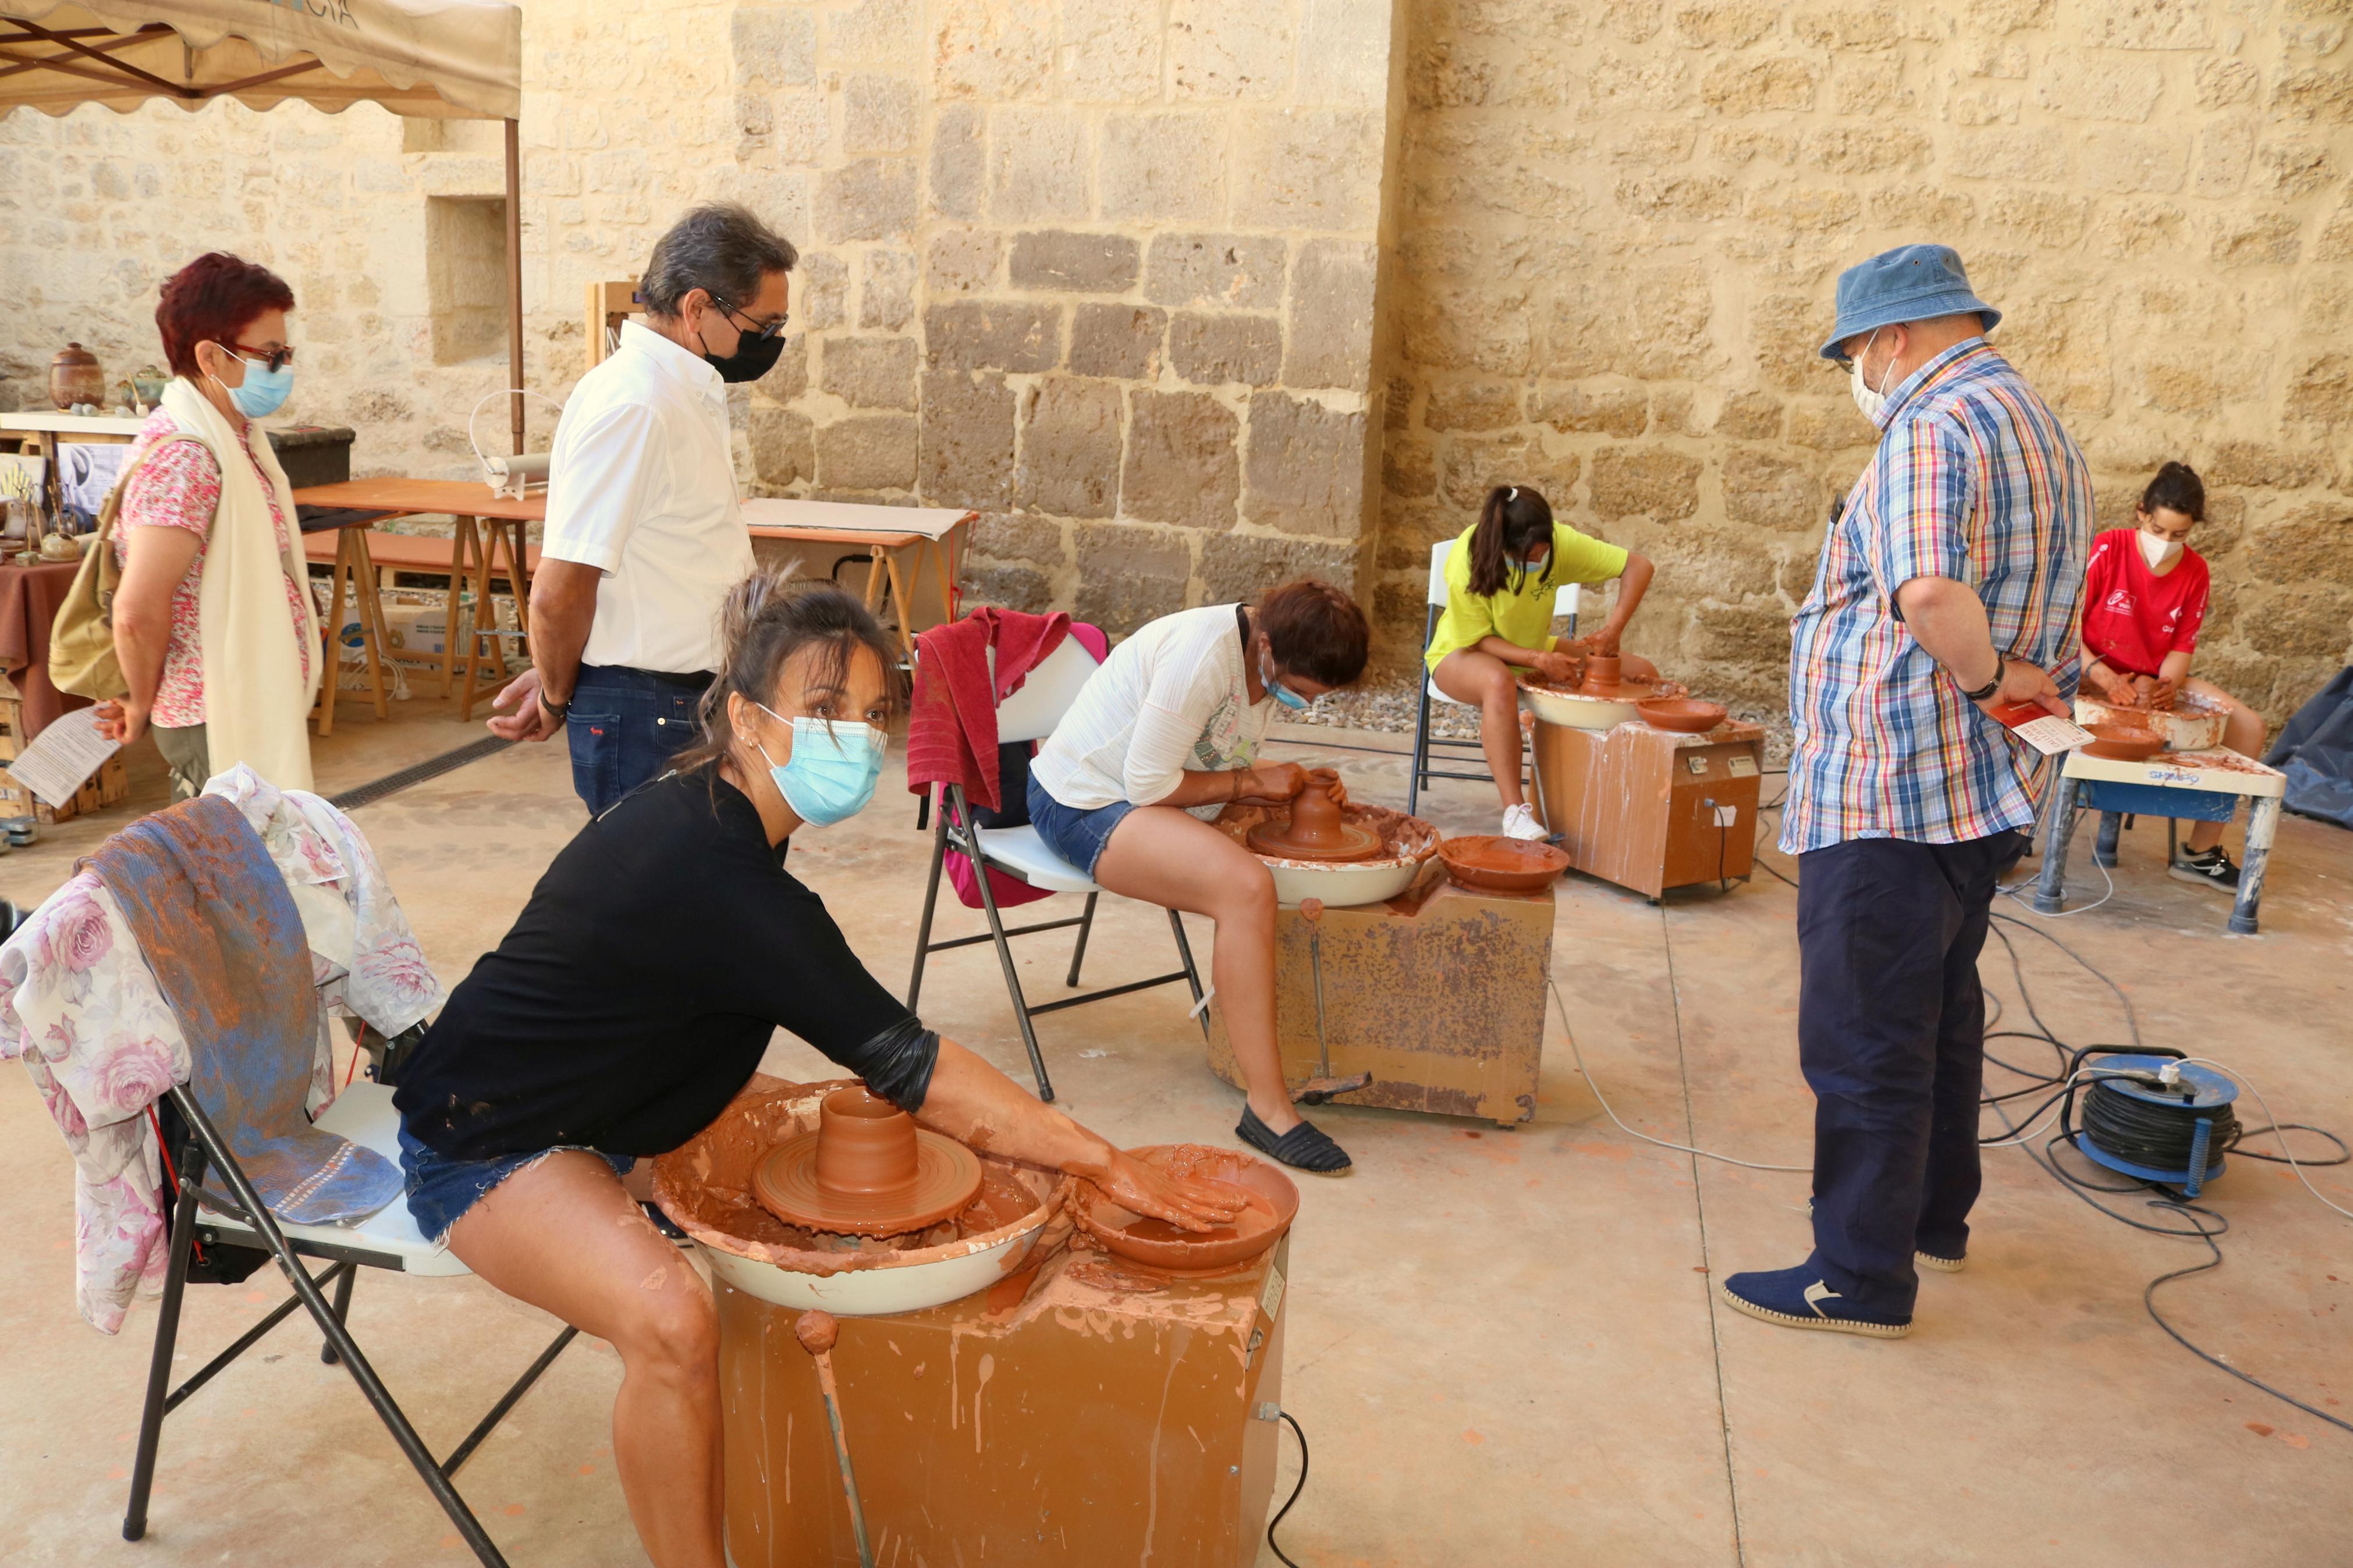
275,360
758,332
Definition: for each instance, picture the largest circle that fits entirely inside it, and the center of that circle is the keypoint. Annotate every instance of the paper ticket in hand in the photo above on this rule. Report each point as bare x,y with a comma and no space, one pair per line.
2042,729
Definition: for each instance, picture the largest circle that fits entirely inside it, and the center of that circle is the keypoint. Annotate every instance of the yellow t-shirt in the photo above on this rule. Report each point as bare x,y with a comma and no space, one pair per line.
1521,615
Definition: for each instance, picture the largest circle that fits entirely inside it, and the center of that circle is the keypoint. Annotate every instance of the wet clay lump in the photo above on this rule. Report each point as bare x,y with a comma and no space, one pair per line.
868,1170
1316,829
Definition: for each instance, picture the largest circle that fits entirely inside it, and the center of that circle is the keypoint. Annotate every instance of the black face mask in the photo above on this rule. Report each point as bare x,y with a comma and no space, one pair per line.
753,358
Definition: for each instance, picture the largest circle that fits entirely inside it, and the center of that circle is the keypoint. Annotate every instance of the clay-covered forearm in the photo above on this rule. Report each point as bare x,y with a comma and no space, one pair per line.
1632,583
1206,788
1510,653
974,1103
562,608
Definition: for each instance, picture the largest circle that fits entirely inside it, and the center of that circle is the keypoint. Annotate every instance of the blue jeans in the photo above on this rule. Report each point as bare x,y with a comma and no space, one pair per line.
441,1189
1076,835
625,726
1891,1037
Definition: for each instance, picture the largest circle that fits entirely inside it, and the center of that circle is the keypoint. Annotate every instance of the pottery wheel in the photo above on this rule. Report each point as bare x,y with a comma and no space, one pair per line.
1355,842
947,1178
1632,690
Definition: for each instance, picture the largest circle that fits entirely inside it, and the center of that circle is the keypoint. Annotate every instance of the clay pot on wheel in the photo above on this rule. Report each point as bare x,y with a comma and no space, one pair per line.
1316,830
867,1170
1603,671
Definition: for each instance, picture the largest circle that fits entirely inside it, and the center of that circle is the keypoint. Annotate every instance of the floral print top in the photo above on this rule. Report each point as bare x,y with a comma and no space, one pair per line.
181,488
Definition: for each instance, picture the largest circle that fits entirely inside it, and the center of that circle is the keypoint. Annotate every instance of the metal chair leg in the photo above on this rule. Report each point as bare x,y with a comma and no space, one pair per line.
1013,985
167,1335
931,903
1192,975
343,1310
469,1529
1420,719
1086,929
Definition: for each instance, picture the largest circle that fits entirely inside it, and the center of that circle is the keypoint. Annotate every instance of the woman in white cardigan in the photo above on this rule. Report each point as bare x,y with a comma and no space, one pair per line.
213,622
1161,740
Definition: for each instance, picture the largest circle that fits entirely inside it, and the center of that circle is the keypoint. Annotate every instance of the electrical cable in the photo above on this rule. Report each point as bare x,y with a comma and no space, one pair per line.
1603,1102
1297,1487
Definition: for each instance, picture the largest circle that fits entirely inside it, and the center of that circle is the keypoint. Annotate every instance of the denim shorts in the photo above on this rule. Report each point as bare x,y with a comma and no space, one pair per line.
1076,835
441,1189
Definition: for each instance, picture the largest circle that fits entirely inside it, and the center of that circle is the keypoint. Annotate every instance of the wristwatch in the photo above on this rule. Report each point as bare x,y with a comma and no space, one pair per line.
2001,667
559,710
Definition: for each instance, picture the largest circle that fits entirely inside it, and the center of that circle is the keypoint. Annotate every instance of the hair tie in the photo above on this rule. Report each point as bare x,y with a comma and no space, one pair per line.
1512,494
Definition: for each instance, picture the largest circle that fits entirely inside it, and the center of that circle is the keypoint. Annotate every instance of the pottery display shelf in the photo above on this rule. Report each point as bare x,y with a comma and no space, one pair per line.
2202,787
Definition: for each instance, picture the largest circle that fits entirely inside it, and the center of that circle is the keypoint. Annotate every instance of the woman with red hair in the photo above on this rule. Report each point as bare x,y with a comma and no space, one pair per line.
213,622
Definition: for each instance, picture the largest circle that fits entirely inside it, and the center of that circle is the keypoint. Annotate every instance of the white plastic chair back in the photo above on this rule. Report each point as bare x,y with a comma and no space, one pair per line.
1564,598
1031,714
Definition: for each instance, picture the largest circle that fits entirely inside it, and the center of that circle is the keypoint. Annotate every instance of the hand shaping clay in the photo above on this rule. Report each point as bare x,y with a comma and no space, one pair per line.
1316,829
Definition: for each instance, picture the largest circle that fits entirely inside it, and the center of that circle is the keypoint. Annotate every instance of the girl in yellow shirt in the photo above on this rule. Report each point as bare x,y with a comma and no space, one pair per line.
1501,577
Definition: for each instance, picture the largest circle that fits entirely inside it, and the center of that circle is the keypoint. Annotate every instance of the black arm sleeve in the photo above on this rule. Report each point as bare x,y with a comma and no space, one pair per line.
897,1063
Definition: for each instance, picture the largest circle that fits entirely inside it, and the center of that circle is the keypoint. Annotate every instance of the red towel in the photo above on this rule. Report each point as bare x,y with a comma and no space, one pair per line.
952,730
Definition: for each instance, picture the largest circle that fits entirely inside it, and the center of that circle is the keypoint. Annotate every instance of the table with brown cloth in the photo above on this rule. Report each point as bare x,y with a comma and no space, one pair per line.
30,597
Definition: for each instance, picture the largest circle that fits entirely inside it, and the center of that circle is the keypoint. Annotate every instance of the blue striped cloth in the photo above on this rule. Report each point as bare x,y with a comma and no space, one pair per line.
1974,479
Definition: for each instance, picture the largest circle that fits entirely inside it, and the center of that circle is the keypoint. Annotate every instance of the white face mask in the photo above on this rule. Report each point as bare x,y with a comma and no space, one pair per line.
2159,552
1871,402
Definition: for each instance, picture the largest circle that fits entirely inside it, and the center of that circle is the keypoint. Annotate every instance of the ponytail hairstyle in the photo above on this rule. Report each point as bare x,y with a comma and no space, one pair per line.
764,625
2177,488
1514,520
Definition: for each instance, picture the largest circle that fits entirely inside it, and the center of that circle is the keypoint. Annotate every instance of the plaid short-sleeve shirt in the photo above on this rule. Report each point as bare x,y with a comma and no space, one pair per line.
1974,479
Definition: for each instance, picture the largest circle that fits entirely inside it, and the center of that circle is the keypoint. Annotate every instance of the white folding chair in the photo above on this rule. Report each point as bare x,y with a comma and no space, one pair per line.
1564,602
1029,714
387,1239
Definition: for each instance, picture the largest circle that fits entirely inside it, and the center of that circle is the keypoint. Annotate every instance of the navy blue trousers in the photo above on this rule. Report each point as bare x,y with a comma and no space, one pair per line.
623,727
1890,1036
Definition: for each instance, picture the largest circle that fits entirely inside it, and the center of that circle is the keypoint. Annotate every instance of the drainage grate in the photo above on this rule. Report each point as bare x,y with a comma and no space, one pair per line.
393,783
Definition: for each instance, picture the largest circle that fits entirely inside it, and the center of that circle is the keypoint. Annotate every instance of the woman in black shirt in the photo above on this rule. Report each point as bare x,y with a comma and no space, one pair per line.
631,1002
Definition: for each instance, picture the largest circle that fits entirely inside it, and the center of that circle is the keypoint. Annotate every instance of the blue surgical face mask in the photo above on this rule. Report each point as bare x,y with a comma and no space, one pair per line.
1534,565
831,772
263,392
1277,690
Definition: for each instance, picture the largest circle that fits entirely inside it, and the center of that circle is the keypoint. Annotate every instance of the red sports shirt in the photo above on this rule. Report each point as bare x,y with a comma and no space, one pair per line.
2132,617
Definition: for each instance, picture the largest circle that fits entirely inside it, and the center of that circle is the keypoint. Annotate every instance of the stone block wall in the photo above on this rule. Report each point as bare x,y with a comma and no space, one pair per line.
1102,271
1619,224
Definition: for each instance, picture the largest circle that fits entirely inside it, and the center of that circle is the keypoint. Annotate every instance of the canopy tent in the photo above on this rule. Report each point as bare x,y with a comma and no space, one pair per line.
446,59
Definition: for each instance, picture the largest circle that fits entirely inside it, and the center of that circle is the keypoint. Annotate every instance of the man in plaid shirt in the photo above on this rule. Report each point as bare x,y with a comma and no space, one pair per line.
1947,589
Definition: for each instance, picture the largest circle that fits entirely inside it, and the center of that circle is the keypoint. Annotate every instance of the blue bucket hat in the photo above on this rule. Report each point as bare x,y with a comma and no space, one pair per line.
1909,283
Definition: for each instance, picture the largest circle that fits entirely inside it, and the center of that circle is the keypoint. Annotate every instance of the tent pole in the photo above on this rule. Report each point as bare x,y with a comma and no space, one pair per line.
514,276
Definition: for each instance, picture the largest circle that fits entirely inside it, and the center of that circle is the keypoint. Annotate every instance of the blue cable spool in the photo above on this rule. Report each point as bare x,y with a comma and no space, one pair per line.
2193,1118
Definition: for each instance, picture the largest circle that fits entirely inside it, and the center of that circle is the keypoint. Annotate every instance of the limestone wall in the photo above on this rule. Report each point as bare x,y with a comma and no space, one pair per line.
1620,226
1188,295
1102,270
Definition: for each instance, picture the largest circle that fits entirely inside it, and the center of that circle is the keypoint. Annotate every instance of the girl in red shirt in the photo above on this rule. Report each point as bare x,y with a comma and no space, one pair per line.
2145,593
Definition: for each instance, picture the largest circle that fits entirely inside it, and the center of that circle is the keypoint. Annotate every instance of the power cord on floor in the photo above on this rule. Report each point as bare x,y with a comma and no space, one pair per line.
1603,1102
1298,1487
2199,1222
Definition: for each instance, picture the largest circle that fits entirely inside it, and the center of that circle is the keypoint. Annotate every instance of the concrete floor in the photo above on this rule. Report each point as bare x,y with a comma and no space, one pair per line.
1505,1346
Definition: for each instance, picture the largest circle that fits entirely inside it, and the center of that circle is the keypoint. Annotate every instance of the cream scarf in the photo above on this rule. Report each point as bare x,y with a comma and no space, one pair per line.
257,703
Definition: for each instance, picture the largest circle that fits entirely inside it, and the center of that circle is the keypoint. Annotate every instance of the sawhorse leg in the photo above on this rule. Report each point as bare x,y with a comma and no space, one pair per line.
2262,826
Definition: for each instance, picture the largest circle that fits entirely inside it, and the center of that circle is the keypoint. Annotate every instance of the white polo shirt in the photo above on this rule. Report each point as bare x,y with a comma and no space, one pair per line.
641,485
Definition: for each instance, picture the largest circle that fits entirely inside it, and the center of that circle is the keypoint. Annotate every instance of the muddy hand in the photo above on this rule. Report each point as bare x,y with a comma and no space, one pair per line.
1188,1205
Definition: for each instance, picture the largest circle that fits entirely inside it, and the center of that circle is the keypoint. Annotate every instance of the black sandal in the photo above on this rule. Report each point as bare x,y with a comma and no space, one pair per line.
1304,1148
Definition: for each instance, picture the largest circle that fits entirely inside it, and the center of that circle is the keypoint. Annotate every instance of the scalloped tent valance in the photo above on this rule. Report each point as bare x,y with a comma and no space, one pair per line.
448,60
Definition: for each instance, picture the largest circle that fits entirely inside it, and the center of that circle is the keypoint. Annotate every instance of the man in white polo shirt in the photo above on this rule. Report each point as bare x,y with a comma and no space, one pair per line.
644,532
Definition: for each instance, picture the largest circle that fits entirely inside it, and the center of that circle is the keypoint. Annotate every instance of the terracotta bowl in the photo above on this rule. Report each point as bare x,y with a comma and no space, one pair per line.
1273,1202
1496,864
2123,742
1682,714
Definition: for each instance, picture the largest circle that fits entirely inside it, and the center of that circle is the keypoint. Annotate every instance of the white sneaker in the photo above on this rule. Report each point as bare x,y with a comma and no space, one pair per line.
1520,822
